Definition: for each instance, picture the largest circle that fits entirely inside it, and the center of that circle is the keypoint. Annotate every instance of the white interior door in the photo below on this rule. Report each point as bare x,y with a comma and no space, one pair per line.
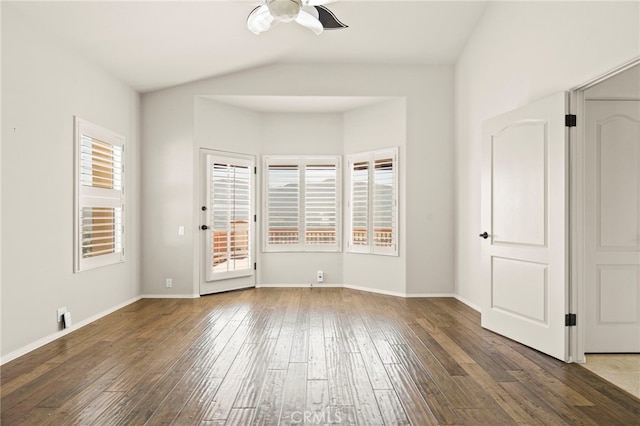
612,226
227,221
524,225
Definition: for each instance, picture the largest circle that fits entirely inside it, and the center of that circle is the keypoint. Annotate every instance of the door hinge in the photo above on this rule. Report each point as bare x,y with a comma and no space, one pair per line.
255,217
255,170
570,320
570,120
255,266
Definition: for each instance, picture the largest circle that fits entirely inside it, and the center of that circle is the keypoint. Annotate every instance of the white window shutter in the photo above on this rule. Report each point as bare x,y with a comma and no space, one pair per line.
321,203
373,202
283,204
99,197
385,202
302,205
359,209
230,217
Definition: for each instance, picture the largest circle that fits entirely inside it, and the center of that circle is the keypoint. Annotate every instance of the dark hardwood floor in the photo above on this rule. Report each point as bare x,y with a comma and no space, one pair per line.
294,356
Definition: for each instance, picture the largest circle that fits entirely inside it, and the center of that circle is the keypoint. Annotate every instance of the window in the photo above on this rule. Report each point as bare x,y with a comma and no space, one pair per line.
302,203
229,212
373,202
99,196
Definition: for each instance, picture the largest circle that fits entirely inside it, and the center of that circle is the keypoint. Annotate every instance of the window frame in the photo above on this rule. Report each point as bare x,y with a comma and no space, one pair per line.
97,197
370,158
302,161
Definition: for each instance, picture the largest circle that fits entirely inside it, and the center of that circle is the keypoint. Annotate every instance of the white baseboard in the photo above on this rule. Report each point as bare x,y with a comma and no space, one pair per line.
299,286
169,296
466,302
359,288
48,339
375,290
415,295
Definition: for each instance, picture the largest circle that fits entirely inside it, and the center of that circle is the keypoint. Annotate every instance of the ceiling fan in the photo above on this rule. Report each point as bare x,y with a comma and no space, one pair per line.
308,13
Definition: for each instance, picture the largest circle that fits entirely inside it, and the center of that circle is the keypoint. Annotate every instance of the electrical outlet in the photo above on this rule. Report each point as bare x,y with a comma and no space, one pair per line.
60,313
320,277
169,283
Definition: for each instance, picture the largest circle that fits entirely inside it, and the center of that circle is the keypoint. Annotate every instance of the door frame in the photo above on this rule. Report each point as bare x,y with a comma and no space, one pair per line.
200,156
577,296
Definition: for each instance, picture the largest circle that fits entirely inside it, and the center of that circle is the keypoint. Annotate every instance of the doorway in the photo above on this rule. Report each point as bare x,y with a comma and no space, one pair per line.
606,214
227,237
527,291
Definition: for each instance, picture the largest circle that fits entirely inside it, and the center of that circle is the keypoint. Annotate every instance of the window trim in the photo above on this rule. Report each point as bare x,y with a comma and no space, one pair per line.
301,161
371,157
90,196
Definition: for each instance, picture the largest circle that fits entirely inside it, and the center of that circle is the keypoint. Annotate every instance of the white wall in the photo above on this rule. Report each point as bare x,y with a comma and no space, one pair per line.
168,148
300,134
380,126
43,87
518,53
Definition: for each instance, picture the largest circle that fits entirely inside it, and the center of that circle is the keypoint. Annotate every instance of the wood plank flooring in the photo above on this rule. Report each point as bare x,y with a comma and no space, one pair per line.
300,356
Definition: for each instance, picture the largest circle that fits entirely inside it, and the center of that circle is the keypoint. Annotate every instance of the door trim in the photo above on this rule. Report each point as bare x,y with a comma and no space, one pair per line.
577,296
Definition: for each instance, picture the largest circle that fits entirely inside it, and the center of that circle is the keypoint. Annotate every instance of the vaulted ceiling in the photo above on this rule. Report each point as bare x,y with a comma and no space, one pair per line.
157,44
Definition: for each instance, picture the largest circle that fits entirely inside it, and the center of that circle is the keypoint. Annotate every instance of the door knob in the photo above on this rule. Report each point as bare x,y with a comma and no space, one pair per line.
204,227
484,235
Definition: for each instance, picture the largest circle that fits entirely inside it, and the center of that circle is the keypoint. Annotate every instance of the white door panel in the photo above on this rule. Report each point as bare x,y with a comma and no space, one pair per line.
519,184
520,288
612,226
524,258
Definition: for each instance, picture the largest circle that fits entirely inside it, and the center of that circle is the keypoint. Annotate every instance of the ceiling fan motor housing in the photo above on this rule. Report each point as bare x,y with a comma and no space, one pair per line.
284,10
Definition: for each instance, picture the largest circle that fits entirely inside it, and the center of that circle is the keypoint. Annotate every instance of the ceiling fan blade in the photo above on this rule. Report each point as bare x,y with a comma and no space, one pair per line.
308,20
259,19
317,2
328,20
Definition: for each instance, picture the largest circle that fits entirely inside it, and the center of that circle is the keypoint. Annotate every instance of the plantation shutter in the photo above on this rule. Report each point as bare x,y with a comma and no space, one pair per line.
320,195
359,203
283,204
99,197
302,206
230,217
383,203
373,203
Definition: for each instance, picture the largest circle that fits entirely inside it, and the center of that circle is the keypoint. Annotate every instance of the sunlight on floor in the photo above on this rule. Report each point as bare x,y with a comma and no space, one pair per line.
623,370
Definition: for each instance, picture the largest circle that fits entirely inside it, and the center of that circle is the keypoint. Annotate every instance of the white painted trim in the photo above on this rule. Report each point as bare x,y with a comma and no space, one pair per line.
376,290
466,302
577,297
299,286
48,339
607,75
362,288
169,296
419,295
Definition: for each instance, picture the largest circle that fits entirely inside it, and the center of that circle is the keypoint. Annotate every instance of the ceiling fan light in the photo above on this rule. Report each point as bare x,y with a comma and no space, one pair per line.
284,10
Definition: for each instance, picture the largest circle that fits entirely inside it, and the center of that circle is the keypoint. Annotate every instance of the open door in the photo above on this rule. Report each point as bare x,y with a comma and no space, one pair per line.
612,226
227,222
524,225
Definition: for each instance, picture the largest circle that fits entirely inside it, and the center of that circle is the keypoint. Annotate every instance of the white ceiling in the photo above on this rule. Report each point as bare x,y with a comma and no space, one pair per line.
156,44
